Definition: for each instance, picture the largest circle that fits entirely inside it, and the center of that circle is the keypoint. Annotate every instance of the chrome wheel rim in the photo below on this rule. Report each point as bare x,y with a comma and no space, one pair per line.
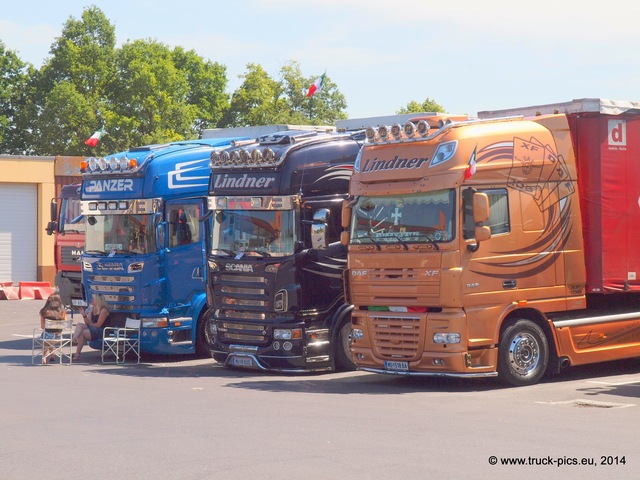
524,354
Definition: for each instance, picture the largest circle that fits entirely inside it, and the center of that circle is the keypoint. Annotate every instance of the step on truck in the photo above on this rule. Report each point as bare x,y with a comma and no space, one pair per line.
67,226
276,262
146,240
505,245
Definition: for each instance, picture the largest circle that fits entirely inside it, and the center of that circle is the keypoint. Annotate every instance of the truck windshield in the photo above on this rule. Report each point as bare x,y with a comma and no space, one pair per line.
133,234
257,232
70,218
407,219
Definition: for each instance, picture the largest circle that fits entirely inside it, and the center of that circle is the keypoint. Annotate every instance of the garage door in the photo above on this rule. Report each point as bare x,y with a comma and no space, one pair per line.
18,232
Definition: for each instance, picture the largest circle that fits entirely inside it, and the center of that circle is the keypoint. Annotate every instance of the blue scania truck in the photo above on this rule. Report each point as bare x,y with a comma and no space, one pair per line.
146,235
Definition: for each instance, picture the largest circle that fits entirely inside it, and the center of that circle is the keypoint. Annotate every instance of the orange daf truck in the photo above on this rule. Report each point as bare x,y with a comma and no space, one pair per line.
501,246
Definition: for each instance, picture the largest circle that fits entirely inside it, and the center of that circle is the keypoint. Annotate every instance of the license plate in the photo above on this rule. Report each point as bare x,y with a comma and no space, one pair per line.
393,365
242,361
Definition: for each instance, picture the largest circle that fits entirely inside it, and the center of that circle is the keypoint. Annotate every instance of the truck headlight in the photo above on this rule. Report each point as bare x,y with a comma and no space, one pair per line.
155,322
357,334
446,338
287,334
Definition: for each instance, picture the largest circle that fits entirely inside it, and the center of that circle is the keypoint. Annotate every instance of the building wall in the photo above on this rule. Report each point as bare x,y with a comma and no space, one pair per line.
48,173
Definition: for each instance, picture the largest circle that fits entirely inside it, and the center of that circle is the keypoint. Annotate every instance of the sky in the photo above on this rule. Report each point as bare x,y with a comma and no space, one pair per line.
466,55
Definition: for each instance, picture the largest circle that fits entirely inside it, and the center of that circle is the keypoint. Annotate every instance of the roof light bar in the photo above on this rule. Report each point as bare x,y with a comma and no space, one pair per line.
397,133
242,157
108,164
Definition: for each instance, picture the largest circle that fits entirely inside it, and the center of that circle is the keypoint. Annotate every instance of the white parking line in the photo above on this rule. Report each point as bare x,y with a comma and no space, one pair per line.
635,383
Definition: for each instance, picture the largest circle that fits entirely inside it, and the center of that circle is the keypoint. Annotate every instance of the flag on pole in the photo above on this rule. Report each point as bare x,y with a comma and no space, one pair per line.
471,166
316,86
93,140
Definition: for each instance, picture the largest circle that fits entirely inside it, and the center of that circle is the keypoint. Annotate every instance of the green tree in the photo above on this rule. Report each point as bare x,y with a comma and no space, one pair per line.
14,96
78,71
253,102
207,83
261,100
323,108
148,98
66,114
142,93
428,105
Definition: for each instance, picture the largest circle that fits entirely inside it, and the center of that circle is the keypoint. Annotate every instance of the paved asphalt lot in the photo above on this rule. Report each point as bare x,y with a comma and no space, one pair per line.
190,418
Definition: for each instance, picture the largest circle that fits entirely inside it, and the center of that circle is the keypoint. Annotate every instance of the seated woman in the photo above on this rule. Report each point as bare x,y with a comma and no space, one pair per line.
53,310
95,319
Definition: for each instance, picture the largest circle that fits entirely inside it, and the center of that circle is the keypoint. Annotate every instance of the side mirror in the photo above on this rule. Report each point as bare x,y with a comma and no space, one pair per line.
161,232
344,238
319,228
481,213
53,209
346,214
51,227
480,207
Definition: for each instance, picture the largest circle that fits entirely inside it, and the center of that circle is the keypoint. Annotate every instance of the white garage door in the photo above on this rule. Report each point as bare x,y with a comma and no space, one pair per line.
18,234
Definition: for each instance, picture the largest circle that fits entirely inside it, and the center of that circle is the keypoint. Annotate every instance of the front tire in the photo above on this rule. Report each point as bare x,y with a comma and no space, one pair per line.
202,339
523,354
343,349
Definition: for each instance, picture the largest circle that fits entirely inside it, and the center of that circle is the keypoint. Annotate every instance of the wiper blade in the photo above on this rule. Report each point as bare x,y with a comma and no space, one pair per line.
432,242
99,252
404,244
374,241
218,251
257,252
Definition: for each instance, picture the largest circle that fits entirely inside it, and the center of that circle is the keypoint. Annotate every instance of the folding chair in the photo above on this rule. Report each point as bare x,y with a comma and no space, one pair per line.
59,346
121,341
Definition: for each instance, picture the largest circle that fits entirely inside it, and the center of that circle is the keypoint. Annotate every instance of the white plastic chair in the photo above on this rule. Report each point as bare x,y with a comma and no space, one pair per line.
121,342
59,346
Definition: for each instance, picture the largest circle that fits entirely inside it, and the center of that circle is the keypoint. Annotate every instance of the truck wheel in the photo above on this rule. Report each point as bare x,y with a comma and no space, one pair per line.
342,351
202,342
523,354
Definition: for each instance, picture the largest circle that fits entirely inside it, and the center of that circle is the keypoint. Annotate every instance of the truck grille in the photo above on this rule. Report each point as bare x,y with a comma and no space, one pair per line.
396,337
70,255
243,291
254,334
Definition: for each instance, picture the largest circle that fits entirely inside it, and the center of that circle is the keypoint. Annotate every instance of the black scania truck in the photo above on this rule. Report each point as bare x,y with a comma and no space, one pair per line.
276,263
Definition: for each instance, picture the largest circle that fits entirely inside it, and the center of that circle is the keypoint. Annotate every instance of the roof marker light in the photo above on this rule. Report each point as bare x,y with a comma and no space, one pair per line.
396,131
383,131
256,156
93,164
423,128
370,133
268,155
409,129
215,159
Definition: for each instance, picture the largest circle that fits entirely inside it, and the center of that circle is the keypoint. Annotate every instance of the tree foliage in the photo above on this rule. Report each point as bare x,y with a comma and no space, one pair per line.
14,97
143,92
262,100
429,105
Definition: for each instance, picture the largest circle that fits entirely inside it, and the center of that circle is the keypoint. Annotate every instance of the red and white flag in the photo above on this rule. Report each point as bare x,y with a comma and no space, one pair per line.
93,140
471,166
316,86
